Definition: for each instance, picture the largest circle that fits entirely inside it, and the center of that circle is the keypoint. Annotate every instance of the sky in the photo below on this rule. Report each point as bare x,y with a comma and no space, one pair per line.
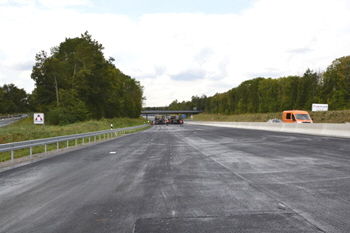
183,48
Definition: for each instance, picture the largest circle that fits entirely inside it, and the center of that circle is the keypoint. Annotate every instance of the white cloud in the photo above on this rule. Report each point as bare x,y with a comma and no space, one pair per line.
176,56
64,3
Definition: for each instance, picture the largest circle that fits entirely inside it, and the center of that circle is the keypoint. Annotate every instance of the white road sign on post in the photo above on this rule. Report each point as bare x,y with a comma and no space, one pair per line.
319,107
38,118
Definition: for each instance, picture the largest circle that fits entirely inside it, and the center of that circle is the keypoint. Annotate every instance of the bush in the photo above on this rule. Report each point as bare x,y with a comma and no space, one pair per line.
70,110
60,116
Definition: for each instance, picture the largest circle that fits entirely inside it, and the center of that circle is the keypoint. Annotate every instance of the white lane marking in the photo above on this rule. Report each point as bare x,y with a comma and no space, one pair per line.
113,152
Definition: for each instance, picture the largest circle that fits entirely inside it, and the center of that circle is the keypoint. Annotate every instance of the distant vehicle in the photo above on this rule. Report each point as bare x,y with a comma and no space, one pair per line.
24,116
275,120
296,116
159,119
175,119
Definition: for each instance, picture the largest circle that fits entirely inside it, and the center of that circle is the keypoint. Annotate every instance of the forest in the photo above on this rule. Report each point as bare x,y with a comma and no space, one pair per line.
75,83
264,95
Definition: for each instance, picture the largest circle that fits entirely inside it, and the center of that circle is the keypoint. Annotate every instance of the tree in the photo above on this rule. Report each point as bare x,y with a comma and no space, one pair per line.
269,100
293,92
308,90
77,70
13,99
45,92
336,84
70,110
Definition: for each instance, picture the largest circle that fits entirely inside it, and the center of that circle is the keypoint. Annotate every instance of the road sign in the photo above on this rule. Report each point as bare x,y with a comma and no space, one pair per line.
319,107
39,118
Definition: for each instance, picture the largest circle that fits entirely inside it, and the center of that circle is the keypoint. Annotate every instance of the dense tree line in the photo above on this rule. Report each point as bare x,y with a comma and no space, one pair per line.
76,83
13,99
261,95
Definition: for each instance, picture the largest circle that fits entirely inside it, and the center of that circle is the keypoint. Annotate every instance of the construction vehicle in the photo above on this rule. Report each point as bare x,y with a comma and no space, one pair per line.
159,119
175,119
296,116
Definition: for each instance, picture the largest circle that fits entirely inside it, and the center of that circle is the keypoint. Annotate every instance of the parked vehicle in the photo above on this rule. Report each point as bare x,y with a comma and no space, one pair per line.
296,116
275,120
175,119
159,119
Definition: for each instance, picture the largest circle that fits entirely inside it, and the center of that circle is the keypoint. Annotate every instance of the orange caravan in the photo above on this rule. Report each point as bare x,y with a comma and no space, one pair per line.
296,116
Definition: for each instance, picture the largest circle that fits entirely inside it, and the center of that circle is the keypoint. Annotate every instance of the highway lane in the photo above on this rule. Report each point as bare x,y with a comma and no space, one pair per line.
184,179
7,121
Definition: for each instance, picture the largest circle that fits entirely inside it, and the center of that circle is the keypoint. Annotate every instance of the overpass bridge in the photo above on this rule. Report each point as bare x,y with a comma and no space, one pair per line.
169,112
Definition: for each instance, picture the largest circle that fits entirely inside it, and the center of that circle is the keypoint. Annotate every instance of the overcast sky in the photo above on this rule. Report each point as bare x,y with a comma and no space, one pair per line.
181,48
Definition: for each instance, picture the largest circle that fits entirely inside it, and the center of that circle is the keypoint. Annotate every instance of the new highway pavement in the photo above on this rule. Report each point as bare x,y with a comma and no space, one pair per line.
193,179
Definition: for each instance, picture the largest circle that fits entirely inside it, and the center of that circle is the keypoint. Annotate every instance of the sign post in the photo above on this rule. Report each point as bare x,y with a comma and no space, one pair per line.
39,119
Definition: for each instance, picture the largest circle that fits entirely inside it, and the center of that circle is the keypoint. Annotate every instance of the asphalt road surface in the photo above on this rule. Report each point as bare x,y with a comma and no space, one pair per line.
8,121
184,179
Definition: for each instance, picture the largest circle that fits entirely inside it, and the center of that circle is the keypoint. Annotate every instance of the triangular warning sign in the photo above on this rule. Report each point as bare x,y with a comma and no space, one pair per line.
40,119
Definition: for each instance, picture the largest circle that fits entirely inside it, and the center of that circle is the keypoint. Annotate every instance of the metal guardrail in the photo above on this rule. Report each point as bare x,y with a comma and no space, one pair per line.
47,141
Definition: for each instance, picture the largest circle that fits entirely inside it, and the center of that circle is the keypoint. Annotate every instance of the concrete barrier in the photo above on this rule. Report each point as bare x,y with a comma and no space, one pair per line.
334,130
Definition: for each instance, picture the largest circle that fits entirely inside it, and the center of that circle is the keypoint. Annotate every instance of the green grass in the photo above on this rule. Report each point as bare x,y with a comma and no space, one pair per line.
25,129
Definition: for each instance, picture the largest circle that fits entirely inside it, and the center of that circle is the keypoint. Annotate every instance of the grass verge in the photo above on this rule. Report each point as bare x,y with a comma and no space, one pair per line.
24,130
